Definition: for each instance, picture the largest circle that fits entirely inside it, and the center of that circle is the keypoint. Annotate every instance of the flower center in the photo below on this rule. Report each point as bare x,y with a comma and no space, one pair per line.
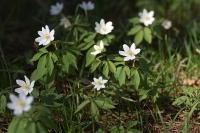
104,28
130,53
99,83
26,86
146,18
21,103
46,36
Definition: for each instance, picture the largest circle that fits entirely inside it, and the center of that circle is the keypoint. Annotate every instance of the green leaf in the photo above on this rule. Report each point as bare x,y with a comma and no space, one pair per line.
94,65
41,128
139,37
147,35
104,103
86,46
134,20
118,70
68,60
39,54
32,128
41,68
94,111
13,125
89,57
134,30
71,59
50,64
127,70
3,103
90,37
105,70
54,57
82,105
135,78
112,66
122,77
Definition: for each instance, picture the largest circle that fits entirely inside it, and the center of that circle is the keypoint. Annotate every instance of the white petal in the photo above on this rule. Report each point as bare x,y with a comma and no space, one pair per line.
101,44
20,82
42,41
133,47
109,24
47,42
96,47
102,22
18,111
47,28
125,47
151,13
122,53
32,83
29,100
19,90
105,81
136,51
13,98
27,80
27,108
52,33
11,106
40,33
95,53
126,58
30,90
100,78
39,39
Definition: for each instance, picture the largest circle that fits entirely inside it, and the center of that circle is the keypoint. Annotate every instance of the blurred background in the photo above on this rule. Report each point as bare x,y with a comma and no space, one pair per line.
21,19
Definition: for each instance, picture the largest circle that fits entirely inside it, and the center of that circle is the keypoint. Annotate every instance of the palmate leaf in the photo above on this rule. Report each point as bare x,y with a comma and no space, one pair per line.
3,103
94,110
135,30
120,75
82,105
39,54
95,65
50,64
105,69
24,125
147,35
104,103
89,57
135,78
139,37
68,59
41,68
112,66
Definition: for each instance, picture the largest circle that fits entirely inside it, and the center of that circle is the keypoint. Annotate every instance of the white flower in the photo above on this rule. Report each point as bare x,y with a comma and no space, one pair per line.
129,53
65,22
98,49
56,9
46,36
103,28
20,104
198,50
99,83
87,5
167,24
146,17
26,86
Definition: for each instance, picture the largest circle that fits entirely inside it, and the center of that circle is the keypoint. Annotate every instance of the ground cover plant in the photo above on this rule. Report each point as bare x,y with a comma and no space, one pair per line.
99,66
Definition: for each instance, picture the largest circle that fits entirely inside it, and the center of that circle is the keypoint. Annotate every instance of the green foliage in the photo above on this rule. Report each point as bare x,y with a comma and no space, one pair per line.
38,120
64,69
140,32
